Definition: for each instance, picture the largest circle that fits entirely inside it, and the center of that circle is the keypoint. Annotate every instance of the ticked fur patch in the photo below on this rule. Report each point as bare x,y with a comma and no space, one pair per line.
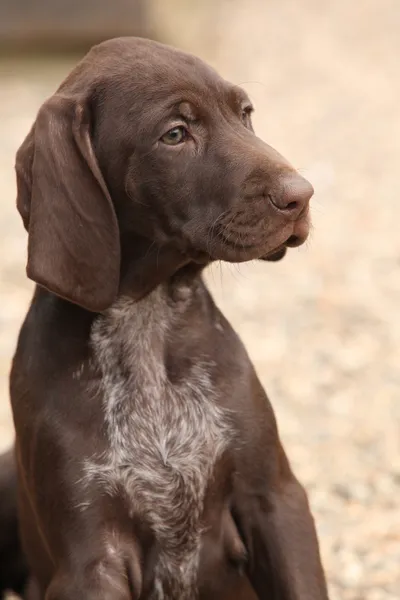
164,438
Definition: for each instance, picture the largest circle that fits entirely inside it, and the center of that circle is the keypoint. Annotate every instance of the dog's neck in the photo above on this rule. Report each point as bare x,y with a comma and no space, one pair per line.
146,265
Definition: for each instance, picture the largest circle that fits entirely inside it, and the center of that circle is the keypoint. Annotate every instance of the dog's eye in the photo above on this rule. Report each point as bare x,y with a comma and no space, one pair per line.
246,115
174,136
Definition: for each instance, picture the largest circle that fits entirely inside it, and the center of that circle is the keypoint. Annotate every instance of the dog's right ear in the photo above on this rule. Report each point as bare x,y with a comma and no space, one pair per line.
73,235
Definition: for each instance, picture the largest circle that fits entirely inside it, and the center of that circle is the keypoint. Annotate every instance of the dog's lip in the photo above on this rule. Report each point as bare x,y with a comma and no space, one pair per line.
275,255
300,234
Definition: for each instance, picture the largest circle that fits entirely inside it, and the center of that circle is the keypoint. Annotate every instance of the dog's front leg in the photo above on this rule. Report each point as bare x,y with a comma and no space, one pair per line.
279,531
104,579
80,543
66,587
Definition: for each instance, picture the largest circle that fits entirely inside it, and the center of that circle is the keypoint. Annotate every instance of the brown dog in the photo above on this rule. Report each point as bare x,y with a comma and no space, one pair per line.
149,461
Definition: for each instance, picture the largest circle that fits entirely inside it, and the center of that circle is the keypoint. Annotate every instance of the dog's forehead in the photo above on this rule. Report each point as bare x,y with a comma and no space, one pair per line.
133,67
130,53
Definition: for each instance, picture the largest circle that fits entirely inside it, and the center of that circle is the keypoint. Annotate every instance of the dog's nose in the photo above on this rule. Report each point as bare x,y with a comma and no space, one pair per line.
293,195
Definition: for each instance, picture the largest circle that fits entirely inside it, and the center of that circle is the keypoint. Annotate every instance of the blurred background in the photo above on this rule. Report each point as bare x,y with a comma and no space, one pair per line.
322,326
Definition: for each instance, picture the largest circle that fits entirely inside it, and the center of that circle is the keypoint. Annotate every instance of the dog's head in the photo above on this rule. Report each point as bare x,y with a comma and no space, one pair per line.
142,141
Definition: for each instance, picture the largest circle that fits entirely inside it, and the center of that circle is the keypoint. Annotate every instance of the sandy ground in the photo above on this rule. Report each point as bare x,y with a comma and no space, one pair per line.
323,326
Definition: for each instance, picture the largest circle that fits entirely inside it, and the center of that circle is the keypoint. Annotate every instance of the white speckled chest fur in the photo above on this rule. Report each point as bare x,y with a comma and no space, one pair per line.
164,438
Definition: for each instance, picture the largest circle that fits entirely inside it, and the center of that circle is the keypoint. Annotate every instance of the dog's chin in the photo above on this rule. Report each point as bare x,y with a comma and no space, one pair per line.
240,255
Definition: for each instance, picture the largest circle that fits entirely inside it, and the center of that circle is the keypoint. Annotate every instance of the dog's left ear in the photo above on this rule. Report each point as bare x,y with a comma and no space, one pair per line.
73,234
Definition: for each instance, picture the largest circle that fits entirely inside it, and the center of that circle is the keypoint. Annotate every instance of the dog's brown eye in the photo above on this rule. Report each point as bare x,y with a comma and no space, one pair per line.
174,136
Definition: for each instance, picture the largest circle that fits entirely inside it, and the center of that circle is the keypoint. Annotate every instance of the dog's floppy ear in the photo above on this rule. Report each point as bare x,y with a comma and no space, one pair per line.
73,236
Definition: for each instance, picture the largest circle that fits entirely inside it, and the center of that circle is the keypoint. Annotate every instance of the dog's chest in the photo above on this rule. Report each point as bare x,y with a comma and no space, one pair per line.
164,438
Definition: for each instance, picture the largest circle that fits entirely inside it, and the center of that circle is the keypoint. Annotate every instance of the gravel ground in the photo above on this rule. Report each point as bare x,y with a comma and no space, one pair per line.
323,326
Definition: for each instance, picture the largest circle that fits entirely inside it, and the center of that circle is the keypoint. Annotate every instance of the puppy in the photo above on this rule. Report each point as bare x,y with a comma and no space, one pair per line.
149,461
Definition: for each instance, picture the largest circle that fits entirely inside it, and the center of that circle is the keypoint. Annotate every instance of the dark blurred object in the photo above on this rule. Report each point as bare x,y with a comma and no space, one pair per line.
13,572
43,25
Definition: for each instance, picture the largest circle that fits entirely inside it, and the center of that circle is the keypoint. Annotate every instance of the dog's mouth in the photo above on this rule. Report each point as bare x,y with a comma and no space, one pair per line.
299,236
275,255
255,244
239,242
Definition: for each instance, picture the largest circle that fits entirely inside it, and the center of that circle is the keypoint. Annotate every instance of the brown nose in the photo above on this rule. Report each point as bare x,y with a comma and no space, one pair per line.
293,194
